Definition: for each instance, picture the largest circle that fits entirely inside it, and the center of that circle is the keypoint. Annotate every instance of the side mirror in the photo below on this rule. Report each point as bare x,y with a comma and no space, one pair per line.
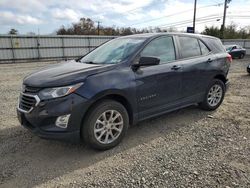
147,61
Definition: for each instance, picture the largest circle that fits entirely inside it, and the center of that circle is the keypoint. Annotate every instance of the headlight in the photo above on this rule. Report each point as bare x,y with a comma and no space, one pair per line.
50,93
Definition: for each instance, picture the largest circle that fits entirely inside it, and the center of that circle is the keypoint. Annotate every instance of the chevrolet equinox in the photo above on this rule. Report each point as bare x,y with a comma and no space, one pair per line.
126,80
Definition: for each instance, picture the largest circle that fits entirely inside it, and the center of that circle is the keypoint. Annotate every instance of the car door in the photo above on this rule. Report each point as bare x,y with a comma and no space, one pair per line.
158,86
235,52
238,51
197,61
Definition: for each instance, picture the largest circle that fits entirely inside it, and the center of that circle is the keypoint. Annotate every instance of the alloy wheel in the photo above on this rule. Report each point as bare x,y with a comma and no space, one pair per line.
215,95
108,126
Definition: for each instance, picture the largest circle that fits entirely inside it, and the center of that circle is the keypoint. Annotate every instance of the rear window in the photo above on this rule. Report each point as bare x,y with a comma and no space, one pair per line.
189,47
214,44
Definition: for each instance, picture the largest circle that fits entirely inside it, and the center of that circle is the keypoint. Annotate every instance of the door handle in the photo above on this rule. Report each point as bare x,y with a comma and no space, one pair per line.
209,60
176,67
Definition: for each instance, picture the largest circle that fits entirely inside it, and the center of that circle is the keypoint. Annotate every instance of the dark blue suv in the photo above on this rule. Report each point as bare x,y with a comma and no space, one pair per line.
126,80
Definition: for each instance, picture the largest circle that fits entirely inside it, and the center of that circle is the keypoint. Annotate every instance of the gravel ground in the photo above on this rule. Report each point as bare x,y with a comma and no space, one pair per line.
186,148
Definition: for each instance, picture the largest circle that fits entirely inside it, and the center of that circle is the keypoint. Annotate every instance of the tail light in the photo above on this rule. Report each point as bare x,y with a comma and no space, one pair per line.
229,58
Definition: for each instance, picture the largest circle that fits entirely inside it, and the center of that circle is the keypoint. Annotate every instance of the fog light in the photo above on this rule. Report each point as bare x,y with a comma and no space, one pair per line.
62,121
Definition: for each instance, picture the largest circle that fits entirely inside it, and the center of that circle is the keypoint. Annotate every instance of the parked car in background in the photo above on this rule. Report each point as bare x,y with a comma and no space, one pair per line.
122,82
236,51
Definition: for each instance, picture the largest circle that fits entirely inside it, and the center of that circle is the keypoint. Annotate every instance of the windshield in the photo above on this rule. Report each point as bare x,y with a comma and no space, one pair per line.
228,48
114,51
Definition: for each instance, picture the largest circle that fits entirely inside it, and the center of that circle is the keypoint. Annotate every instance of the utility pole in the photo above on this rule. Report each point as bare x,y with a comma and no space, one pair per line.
195,2
98,27
224,17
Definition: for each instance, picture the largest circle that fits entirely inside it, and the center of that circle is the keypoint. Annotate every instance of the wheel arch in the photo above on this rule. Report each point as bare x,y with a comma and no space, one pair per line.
116,96
221,77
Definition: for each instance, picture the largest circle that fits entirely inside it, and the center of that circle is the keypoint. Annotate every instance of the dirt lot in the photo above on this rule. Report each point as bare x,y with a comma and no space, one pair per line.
186,148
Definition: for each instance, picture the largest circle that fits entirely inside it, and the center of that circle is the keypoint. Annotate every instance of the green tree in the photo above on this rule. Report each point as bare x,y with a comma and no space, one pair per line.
212,31
230,32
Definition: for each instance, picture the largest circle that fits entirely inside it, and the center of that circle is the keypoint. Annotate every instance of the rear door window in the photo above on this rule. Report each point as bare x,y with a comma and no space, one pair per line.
162,48
189,47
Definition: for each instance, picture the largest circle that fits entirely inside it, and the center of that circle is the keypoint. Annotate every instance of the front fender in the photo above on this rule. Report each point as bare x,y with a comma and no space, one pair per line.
120,82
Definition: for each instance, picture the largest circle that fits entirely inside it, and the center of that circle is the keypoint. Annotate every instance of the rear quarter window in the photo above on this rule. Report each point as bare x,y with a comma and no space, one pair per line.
214,44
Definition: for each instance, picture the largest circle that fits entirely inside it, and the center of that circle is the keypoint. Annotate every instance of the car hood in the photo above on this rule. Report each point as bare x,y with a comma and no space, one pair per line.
64,73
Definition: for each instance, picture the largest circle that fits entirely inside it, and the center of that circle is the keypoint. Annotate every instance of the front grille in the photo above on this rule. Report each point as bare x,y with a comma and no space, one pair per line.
28,98
27,102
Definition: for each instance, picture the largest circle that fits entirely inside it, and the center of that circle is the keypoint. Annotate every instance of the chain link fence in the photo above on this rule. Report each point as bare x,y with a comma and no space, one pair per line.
245,43
18,48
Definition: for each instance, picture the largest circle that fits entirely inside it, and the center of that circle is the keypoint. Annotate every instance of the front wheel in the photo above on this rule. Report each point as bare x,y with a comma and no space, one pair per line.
214,95
105,125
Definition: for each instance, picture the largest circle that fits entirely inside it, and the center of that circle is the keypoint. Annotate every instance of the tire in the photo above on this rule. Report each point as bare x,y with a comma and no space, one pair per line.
248,69
210,105
101,112
241,56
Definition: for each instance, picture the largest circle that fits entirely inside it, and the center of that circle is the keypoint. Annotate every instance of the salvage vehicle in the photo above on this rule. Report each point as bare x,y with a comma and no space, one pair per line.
126,80
236,51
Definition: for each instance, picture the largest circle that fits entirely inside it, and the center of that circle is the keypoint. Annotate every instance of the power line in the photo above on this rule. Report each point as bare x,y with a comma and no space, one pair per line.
206,22
211,16
202,20
238,11
217,1
198,23
131,10
184,25
188,22
238,15
170,15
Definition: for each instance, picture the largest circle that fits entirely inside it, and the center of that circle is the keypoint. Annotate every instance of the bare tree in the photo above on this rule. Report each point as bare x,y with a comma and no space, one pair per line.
13,32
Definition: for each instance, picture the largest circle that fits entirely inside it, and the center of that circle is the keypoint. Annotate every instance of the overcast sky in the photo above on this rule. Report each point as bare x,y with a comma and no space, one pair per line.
49,15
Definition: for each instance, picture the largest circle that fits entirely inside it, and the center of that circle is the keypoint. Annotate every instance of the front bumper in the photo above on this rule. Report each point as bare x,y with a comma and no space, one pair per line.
41,120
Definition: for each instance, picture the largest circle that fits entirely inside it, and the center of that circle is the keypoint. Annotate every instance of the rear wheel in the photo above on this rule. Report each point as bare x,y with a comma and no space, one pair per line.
105,125
248,69
214,95
241,56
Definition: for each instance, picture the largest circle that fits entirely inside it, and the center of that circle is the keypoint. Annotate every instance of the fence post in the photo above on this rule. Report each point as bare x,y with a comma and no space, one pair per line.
89,43
38,47
244,43
12,49
63,48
